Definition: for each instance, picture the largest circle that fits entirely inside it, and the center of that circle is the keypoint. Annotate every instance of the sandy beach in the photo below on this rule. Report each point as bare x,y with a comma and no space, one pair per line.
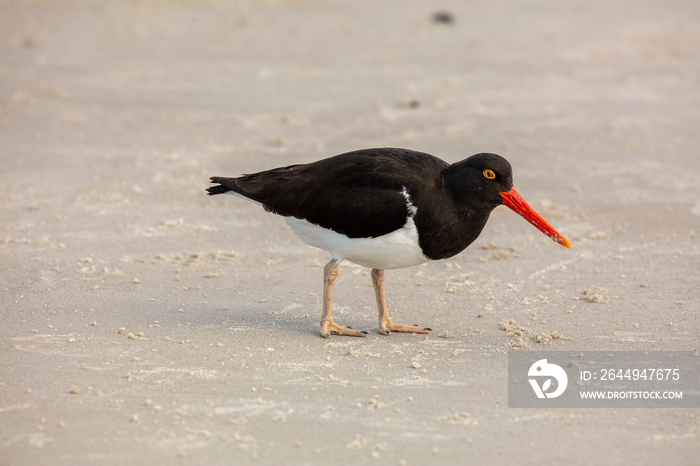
143,322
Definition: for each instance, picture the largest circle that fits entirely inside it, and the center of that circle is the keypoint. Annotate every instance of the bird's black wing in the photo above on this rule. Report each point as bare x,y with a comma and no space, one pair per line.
358,194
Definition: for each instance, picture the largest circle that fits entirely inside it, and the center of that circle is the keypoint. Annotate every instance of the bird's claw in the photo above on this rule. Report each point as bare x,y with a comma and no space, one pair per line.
329,328
385,328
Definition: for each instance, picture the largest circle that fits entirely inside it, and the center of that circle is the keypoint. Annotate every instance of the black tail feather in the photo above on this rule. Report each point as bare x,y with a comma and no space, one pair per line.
219,189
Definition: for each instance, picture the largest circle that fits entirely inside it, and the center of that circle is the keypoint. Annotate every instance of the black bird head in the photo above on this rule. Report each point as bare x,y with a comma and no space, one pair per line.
474,183
480,183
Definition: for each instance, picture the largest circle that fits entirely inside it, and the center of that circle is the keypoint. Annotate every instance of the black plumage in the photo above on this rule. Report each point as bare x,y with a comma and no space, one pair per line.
359,194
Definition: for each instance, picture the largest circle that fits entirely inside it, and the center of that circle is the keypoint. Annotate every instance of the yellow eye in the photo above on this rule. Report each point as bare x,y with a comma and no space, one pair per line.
489,174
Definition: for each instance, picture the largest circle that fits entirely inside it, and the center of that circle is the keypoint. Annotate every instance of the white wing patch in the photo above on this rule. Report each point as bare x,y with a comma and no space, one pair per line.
412,210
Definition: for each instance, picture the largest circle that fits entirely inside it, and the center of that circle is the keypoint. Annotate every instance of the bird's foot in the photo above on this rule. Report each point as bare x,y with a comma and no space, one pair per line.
329,327
385,328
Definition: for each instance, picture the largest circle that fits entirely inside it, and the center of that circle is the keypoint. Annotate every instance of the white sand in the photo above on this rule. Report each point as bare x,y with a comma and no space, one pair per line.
143,322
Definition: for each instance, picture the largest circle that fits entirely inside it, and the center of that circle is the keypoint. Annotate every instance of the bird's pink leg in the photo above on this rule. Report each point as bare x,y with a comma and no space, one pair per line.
386,326
328,327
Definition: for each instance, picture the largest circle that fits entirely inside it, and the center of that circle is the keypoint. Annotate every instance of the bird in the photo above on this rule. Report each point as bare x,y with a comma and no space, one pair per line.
384,208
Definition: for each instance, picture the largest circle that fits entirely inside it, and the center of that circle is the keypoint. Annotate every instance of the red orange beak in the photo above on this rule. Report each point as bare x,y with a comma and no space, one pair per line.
515,202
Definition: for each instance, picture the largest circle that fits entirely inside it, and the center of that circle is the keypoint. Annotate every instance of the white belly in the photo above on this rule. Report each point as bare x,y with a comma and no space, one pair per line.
391,251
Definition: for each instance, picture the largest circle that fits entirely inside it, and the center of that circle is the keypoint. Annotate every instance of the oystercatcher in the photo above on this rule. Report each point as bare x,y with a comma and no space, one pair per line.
385,209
